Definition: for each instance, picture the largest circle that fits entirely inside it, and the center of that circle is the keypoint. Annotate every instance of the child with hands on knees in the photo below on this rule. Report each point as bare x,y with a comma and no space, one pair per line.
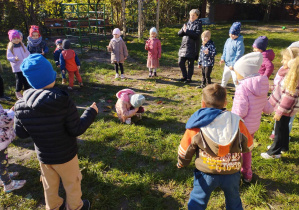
206,58
56,55
129,104
35,43
251,99
16,53
232,51
7,134
153,46
119,52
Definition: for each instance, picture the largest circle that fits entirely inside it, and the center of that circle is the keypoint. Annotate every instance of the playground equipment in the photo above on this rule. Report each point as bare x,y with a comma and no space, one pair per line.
86,25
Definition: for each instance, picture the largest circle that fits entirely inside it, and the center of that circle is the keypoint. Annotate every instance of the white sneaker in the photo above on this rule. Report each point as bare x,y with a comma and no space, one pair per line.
268,147
128,121
116,75
266,156
122,76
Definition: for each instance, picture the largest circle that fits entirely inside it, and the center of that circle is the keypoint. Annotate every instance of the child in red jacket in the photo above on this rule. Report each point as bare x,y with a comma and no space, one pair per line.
153,46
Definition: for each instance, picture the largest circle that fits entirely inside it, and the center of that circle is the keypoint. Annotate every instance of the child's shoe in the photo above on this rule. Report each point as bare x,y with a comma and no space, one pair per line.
81,84
155,74
19,95
63,81
70,88
150,74
14,185
266,156
86,205
116,75
122,76
11,176
128,121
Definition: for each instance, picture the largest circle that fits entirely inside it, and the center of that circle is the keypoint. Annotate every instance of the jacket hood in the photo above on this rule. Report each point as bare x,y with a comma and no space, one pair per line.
69,54
257,85
269,54
202,117
240,38
46,100
124,94
223,129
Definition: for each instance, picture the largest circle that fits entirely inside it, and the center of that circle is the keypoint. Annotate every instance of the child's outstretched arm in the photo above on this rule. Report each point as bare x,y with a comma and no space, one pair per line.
268,109
19,129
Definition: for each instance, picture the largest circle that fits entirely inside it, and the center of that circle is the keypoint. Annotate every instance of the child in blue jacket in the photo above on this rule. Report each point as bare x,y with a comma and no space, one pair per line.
232,51
56,55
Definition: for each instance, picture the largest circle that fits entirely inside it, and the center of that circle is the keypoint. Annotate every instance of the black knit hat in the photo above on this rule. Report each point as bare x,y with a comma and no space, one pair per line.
66,44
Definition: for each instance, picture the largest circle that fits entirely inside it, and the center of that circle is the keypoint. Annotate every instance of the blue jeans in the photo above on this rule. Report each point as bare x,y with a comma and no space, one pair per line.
204,184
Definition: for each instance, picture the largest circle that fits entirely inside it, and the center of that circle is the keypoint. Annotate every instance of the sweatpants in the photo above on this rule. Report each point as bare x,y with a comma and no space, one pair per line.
71,77
227,74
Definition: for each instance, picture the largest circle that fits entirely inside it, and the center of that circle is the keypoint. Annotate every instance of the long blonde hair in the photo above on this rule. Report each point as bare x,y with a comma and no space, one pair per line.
291,79
10,47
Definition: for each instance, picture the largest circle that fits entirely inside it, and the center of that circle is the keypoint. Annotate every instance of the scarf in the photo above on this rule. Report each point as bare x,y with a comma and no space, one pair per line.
17,45
34,42
117,39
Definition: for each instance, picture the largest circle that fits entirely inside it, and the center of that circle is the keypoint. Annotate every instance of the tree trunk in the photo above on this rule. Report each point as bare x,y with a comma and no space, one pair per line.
203,9
140,19
124,18
268,10
157,16
210,11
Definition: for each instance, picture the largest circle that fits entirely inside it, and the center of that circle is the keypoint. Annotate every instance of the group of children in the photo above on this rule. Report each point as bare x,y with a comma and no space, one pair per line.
222,140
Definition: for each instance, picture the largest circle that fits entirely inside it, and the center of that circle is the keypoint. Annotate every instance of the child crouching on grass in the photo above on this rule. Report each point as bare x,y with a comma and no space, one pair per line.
217,137
128,105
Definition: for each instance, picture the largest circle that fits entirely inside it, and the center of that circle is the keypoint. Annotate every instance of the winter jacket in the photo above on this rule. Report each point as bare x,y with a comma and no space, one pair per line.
217,144
190,41
51,118
7,133
207,59
153,46
251,100
279,76
21,53
123,104
56,55
233,50
283,101
267,65
69,60
39,48
118,51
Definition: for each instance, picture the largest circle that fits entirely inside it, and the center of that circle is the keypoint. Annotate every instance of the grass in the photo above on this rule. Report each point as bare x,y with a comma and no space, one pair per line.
134,166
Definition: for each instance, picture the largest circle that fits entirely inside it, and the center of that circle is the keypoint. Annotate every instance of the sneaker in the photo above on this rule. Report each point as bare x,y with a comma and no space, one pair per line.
86,205
11,176
81,84
70,88
63,81
272,136
14,185
188,81
116,75
128,121
122,76
155,74
5,98
150,74
266,156
19,95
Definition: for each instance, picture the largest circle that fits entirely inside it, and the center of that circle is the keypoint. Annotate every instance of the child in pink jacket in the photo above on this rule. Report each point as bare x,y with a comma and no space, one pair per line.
153,46
260,45
250,99
128,104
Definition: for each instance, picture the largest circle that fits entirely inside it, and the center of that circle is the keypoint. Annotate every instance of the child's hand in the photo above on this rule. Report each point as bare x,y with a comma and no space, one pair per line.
206,51
109,48
231,68
221,62
78,67
125,58
63,71
43,52
16,58
94,106
277,117
185,28
199,66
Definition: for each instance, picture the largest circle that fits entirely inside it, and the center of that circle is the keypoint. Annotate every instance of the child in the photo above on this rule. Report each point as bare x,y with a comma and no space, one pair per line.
119,52
70,62
260,45
232,51
128,104
6,137
16,53
153,46
288,54
250,99
35,43
206,58
217,137
56,54
51,118
284,98
189,49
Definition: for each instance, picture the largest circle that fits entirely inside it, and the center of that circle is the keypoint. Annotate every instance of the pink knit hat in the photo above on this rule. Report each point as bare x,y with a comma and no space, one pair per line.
116,31
13,34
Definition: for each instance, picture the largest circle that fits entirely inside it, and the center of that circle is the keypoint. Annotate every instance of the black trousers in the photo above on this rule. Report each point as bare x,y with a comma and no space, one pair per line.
21,82
206,74
3,167
182,61
281,139
120,66
1,87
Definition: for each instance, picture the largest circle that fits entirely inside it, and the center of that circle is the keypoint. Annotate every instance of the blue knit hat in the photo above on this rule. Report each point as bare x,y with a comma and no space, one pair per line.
261,43
38,71
137,100
235,29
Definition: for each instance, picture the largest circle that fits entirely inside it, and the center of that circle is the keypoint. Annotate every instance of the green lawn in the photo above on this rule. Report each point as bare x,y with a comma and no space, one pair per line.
134,166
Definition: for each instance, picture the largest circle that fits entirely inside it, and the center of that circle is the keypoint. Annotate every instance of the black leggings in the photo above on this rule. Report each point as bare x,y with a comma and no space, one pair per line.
120,66
4,176
21,82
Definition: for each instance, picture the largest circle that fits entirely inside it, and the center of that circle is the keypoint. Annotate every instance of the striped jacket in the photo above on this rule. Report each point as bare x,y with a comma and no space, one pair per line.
218,145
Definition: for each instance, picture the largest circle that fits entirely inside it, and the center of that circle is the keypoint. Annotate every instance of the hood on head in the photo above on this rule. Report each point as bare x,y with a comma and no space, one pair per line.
124,94
269,54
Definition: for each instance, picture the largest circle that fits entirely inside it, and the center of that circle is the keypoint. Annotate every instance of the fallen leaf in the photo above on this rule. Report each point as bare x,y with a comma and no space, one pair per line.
159,102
